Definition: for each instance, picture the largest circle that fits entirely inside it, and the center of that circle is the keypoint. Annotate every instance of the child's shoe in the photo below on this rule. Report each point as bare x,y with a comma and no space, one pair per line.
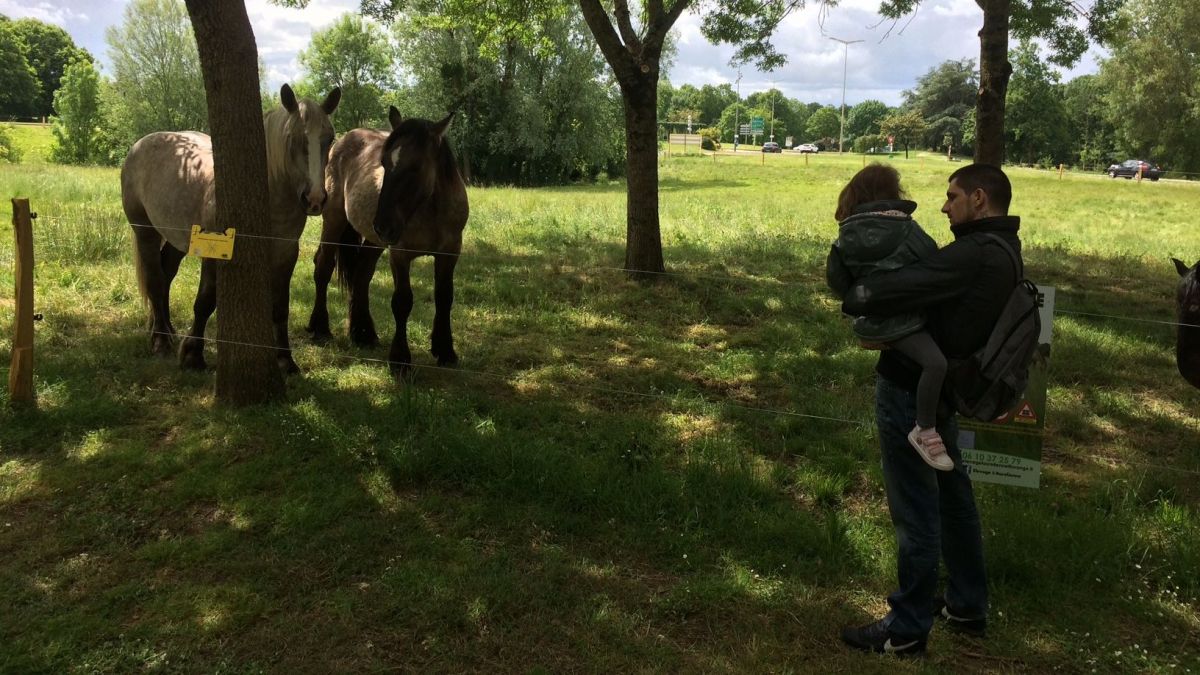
930,447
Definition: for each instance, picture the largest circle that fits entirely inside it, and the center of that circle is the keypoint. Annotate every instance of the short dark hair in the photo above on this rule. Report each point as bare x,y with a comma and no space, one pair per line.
873,183
988,178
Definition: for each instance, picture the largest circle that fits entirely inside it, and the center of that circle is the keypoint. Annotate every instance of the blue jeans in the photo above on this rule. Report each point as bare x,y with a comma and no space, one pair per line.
935,517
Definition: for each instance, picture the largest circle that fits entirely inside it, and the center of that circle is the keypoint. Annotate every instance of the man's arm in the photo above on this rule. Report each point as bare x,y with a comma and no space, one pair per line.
942,276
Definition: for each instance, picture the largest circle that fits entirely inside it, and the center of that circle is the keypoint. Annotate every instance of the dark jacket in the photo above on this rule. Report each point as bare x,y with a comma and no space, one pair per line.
962,288
879,237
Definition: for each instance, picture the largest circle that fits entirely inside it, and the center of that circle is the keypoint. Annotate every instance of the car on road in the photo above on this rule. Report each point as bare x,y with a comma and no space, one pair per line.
807,147
1130,167
771,146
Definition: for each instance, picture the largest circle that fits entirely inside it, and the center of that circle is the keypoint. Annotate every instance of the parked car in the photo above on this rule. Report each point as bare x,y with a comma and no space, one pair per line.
771,146
807,147
1129,168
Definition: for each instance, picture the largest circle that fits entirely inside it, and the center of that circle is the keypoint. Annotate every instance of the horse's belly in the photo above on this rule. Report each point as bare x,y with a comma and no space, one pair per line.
169,176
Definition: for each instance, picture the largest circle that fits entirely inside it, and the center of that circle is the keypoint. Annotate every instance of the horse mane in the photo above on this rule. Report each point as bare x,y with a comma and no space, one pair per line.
275,128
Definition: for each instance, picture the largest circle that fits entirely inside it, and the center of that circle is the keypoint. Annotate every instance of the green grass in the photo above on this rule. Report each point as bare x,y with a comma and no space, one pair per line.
601,486
33,141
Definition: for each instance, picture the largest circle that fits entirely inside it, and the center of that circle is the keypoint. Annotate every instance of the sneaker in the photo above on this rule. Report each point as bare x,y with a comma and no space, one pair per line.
972,627
876,638
928,444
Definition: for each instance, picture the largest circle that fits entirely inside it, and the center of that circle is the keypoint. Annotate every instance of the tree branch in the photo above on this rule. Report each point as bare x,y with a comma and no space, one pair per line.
625,25
618,57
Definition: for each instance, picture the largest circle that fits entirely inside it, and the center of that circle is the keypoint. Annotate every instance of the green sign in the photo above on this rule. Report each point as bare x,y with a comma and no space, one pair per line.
756,125
1008,450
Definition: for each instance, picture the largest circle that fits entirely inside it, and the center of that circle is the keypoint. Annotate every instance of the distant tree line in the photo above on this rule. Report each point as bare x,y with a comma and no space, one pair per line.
547,111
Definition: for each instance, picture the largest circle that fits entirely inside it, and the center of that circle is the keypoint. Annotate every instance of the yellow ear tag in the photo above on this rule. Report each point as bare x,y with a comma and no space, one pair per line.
212,244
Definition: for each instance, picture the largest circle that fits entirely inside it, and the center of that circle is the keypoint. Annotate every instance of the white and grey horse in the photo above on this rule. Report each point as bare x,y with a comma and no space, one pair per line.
167,186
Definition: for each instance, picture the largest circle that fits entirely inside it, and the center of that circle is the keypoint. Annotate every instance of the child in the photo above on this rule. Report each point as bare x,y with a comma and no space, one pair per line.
876,232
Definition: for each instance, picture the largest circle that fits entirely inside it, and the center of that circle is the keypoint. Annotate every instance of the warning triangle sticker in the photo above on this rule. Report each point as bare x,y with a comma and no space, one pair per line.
1026,414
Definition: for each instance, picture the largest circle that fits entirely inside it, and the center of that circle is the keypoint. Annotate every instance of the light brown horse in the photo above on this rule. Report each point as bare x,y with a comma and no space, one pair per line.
1187,345
167,186
402,191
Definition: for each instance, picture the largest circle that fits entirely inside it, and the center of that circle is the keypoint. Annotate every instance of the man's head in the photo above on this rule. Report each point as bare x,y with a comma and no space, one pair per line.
977,191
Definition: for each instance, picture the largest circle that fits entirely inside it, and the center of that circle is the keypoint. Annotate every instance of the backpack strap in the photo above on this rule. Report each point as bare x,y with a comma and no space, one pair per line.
1017,263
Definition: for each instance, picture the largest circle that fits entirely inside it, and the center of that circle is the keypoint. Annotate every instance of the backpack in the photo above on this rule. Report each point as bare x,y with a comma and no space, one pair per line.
991,381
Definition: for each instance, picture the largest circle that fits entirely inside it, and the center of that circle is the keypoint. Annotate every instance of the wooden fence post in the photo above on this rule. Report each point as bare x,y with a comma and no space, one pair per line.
20,376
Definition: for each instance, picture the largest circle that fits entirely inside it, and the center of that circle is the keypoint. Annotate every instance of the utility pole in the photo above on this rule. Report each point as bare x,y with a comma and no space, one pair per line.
737,106
772,108
845,59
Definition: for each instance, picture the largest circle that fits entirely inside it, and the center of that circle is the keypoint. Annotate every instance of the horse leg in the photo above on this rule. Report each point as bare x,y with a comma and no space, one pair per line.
324,262
191,351
154,286
170,258
400,357
281,304
362,326
442,338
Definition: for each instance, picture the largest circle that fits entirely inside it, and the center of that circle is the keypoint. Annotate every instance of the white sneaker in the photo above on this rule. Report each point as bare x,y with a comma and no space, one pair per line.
930,447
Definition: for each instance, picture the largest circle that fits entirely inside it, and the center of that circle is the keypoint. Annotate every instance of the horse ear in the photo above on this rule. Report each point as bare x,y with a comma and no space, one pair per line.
441,127
1180,267
331,101
394,117
288,98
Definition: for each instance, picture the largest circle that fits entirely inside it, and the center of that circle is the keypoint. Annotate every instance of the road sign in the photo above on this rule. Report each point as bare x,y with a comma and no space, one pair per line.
744,129
756,125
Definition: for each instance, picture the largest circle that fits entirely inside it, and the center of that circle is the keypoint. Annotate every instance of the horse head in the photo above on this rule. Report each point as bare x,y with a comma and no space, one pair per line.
1187,348
299,135
413,158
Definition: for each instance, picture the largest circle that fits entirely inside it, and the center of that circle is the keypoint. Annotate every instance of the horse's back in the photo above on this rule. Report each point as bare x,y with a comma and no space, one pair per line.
167,182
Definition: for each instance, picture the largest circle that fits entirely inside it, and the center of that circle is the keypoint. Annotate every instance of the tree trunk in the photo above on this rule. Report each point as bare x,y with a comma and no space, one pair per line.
246,366
643,240
994,71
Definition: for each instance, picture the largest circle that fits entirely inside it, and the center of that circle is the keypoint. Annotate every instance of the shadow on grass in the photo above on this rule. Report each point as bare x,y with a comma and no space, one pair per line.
591,490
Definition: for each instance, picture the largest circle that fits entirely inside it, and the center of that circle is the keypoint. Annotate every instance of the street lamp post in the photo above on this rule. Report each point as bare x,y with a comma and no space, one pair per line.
845,60
772,109
737,105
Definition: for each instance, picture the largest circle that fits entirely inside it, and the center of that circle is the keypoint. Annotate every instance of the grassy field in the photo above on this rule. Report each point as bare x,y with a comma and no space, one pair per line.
674,477
34,141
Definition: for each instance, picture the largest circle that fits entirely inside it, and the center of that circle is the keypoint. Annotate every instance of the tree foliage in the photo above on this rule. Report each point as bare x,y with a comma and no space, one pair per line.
907,126
49,49
531,116
824,124
19,86
1153,82
1035,127
943,96
78,104
157,82
864,118
355,54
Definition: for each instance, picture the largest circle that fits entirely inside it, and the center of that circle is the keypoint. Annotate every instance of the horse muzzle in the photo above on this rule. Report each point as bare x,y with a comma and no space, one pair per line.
311,204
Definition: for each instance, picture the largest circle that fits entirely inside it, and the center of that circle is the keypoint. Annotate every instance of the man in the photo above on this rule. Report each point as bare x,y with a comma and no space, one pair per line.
962,289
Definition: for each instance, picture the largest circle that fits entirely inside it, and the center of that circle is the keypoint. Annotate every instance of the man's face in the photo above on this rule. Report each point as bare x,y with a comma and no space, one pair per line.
961,207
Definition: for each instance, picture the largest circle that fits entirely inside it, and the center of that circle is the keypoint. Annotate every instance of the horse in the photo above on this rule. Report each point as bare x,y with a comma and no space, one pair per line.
167,186
401,191
1187,345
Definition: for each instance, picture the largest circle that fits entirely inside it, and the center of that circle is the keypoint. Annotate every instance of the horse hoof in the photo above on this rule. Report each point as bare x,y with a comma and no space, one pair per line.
364,338
320,337
446,360
192,360
288,365
403,372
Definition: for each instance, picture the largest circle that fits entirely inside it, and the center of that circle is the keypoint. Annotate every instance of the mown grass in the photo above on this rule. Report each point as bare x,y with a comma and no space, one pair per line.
619,477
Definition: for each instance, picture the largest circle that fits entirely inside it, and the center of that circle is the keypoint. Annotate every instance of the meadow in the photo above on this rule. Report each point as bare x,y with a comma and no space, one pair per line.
678,476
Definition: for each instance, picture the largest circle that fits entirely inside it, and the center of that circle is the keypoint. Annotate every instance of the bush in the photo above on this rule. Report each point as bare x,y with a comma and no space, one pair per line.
869,142
710,138
9,152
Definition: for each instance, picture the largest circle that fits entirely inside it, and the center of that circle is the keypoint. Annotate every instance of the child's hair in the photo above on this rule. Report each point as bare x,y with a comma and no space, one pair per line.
875,182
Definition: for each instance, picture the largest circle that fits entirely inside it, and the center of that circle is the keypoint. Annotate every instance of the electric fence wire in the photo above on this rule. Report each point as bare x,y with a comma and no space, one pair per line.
612,390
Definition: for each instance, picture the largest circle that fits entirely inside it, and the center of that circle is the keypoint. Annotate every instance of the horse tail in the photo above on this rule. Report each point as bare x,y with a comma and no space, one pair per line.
347,256
141,270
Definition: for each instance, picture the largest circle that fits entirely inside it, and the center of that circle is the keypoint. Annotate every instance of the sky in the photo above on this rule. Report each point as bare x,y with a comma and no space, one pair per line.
888,61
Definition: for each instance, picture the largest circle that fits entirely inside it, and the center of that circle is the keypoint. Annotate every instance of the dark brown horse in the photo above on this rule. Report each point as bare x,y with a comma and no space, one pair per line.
167,186
1187,345
399,190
